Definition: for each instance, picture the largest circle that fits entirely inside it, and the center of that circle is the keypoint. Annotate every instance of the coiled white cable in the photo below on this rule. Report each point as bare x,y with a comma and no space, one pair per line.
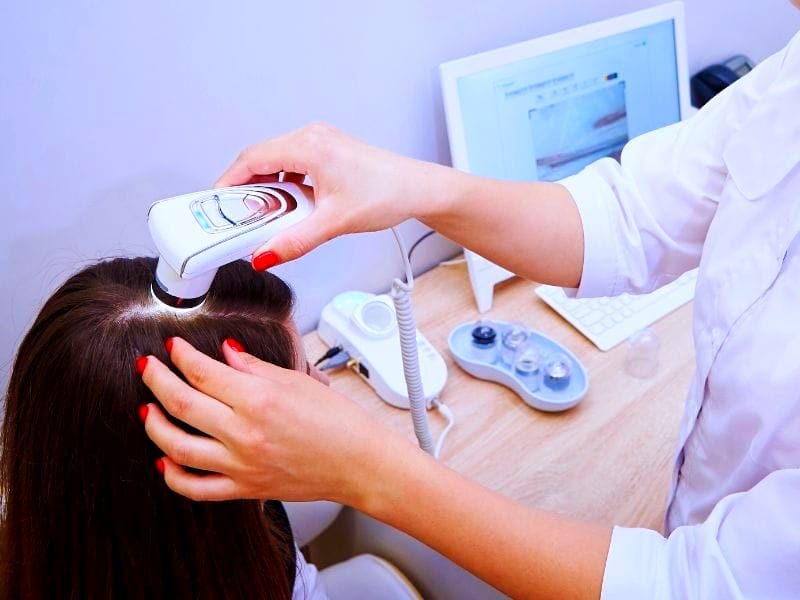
401,297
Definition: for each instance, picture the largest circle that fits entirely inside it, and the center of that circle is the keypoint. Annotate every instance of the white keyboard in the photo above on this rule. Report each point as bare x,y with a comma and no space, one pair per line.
609,321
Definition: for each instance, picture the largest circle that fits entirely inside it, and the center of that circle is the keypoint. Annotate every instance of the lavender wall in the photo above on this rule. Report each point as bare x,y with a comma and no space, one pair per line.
108,106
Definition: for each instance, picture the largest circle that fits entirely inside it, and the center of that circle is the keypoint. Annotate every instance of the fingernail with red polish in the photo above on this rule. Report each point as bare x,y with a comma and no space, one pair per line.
234,344
141,364
168,344
143,412
160,465
265,260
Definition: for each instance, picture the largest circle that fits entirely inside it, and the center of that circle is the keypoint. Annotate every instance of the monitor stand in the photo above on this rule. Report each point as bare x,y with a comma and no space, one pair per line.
484,275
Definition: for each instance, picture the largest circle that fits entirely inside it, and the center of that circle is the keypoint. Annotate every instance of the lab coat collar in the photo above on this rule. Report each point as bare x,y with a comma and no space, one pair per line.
767,147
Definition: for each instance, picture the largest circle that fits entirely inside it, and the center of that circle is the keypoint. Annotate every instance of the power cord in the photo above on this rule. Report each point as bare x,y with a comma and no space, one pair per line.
421,239
340,360
328,355
451,420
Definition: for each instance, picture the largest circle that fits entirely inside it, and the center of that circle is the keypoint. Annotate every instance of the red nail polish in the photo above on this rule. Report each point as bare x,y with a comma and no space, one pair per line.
141,364
143,412
160,465
234,344
168,344
265,260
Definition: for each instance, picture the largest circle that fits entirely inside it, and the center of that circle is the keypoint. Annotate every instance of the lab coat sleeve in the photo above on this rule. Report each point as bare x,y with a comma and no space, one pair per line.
748,547
645,218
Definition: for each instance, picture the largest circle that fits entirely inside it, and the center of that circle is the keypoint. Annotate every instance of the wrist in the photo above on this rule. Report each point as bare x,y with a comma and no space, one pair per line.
391,477
437,191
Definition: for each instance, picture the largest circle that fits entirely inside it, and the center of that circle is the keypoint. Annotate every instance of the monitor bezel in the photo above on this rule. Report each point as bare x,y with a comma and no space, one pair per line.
452,71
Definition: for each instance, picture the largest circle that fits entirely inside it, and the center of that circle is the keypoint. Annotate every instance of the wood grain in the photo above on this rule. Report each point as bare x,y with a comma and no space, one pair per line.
607,460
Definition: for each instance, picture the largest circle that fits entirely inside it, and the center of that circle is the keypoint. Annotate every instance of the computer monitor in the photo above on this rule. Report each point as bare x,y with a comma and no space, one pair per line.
544,109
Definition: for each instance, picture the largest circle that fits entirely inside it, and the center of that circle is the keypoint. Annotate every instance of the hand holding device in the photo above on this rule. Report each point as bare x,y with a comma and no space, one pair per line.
357,187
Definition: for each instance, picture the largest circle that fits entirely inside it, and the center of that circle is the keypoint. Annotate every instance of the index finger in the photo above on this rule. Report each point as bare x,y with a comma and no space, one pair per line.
213,378
279,154
185,403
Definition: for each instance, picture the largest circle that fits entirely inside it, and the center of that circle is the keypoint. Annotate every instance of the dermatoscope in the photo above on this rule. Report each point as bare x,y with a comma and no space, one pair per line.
195,234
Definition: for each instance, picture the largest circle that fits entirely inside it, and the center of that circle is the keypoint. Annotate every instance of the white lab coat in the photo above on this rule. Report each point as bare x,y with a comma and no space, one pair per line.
721,190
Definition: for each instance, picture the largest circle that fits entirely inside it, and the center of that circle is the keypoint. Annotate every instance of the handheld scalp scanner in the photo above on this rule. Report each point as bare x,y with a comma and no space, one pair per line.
196,234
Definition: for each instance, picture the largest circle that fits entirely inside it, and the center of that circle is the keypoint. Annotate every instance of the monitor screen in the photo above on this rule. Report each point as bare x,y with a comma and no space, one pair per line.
546,117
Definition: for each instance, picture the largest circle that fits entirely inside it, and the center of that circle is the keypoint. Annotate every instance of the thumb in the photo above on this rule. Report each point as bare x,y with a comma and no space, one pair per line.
296,241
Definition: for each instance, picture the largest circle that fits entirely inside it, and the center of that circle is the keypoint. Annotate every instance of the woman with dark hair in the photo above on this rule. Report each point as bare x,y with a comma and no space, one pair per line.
86,514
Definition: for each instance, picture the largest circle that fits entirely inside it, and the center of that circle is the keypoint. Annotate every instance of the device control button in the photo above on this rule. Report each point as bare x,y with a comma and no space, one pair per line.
254,203
376,317
233,208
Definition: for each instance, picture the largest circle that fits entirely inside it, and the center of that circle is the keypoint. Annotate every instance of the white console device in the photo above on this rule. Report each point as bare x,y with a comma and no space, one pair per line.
365,326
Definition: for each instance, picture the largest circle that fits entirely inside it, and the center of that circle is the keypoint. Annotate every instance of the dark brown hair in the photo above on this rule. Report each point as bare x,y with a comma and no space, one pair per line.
86,513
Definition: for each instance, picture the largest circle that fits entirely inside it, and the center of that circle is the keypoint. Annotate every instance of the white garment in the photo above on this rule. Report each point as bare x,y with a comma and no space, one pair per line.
721,190
307,582
363,576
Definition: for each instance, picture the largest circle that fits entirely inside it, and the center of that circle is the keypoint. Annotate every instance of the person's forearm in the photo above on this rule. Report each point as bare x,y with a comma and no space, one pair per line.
532,229
521,551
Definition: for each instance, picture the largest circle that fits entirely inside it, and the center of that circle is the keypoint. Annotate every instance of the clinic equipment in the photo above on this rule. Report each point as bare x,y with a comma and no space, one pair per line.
197,233
543,109
541,371
365,327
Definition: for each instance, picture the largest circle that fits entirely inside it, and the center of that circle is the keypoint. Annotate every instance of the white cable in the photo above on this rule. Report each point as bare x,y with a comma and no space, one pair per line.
402,245
451,420
401,296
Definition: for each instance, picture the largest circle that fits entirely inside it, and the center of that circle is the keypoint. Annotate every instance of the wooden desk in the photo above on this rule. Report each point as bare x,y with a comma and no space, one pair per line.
607,460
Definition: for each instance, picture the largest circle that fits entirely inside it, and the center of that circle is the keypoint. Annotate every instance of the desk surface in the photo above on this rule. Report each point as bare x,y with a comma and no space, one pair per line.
607,460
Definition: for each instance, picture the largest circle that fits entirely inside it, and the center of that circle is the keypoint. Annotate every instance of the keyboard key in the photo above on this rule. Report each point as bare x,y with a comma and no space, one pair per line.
593,317
581,311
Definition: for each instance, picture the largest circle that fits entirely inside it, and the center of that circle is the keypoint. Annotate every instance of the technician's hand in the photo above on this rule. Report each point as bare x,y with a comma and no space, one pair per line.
274,433
357,187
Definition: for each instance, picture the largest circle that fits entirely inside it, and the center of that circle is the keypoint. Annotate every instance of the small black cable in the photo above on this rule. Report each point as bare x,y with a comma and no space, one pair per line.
329,354
418,242
338,361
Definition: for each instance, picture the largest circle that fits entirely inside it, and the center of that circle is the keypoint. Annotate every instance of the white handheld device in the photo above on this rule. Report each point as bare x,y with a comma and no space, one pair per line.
197,233
365,326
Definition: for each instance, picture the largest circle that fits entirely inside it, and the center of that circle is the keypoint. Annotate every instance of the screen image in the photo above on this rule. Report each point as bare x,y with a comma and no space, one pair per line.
547,117
574,130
